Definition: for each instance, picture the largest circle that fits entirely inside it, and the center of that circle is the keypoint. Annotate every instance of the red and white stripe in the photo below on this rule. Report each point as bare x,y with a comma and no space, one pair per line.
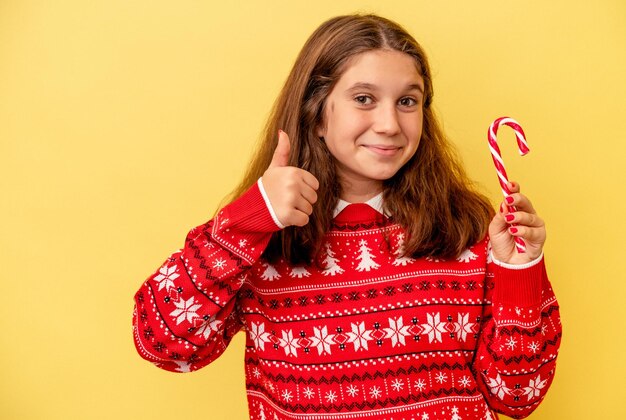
497,160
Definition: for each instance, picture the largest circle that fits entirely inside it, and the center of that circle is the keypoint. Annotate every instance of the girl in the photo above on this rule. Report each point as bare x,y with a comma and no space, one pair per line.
370,279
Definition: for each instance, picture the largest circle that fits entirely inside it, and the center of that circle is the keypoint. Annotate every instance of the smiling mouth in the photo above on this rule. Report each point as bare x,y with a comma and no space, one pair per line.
383,150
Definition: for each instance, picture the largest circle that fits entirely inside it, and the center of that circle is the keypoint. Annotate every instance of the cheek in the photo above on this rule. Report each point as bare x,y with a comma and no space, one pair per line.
345,119
354,124
413,129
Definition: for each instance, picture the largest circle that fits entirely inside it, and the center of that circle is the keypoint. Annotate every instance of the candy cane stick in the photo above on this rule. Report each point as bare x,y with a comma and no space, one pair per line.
497,160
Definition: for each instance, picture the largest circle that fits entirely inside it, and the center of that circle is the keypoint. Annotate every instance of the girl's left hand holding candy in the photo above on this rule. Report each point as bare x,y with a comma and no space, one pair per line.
528,225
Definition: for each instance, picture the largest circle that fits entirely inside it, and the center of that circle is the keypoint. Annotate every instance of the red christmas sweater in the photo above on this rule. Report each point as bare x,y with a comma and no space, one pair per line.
362,333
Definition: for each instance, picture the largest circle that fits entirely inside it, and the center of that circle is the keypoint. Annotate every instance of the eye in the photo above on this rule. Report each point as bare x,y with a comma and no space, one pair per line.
363,99
408,101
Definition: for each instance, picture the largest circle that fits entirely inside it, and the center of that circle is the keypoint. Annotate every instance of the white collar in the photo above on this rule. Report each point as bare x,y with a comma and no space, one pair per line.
375,202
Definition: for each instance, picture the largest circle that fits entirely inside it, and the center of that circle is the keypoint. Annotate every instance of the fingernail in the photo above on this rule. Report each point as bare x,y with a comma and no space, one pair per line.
509,217
509,199
513,230
501,208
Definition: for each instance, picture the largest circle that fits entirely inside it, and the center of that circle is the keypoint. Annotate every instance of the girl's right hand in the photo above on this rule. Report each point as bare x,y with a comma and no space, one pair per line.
290,190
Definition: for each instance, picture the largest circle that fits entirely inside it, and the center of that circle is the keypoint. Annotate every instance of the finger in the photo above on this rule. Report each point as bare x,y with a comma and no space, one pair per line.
513,187
304,206
529,234
520,202
308,194
299,218
310,180
523,218
281,153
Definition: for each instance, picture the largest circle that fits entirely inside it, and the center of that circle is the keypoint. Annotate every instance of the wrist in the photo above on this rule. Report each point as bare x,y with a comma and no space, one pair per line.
268,204
516,265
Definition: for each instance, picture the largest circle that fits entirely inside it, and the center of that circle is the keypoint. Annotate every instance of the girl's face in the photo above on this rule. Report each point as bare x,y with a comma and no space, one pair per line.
373,120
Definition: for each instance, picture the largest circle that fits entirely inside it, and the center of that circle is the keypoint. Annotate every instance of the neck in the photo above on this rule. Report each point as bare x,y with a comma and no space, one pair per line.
361,192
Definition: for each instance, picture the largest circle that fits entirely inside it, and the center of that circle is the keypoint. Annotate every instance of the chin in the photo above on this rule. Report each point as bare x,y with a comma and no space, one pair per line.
384,176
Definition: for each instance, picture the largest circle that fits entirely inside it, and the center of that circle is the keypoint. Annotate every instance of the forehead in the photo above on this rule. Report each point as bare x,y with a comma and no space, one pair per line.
381,65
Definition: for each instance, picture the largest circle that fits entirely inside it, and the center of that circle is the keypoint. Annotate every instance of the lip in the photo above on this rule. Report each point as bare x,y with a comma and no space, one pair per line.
382,150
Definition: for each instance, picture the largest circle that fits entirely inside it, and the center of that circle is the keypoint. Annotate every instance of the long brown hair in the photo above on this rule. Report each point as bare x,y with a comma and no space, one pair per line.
430,196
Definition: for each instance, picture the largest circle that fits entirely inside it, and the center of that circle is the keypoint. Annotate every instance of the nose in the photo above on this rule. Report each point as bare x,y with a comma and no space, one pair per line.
386,120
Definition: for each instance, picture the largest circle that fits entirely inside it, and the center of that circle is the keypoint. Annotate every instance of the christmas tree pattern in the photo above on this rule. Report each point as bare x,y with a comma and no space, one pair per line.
270,273
401,260
455,414
489,259
299,272
331,263
467,256
366,259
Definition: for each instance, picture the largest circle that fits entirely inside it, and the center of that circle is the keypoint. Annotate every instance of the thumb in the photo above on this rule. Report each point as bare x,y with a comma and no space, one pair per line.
281,153
498,223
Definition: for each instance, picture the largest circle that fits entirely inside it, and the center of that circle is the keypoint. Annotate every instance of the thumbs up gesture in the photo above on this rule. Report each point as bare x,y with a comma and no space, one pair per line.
290,190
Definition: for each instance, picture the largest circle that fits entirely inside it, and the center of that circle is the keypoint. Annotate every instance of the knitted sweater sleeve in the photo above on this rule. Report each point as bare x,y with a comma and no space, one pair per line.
185,313
519,339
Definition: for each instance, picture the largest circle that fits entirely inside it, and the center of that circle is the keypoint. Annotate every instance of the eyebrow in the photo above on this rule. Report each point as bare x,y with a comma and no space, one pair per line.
364,85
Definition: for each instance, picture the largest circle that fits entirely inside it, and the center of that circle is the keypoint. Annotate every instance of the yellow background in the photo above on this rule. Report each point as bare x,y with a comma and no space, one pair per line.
124,123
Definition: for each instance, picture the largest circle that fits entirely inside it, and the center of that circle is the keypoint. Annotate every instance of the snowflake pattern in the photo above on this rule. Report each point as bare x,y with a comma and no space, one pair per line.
322,340
241,280
259,335
465,381
441,377
397,331
463,327
287,395
434,327
511,343
359,336
397,385
533,390
331,396
375,392
219,264
308,392
166,277
211,325
185,310
498,387
183,366
533,347
289,343
352,390
420,384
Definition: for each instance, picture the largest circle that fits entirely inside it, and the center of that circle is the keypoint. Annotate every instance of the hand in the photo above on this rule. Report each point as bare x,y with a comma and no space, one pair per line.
291,190
528,226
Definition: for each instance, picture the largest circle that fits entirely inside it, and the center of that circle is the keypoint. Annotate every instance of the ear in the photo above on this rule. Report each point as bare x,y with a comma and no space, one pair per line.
320,131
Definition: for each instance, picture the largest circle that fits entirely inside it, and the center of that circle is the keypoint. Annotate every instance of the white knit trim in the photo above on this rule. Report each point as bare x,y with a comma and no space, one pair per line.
516,266
269,205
